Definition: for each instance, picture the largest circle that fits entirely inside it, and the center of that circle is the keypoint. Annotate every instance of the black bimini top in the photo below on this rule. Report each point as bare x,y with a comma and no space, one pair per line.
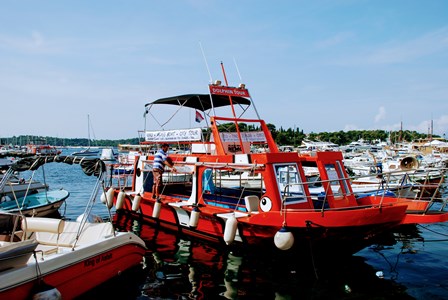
200,102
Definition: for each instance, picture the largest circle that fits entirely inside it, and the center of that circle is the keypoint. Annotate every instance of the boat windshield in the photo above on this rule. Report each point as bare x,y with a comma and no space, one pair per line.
289,183
335,174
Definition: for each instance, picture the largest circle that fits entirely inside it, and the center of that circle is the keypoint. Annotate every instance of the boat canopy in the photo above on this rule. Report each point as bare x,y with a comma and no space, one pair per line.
90,166
201,102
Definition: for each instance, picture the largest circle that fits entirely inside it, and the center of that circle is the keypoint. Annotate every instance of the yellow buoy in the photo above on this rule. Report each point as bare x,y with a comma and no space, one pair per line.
136,202
157,208
120,200
194,217
230,229
284,239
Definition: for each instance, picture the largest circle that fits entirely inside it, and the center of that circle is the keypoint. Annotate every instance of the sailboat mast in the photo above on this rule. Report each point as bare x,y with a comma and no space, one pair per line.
88,130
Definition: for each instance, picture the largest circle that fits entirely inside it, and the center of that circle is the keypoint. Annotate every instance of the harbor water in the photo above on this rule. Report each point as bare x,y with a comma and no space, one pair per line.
409,264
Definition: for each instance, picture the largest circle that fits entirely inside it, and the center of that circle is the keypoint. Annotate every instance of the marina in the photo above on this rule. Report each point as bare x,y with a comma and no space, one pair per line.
269,150
234,222
408,264
237,217
216,211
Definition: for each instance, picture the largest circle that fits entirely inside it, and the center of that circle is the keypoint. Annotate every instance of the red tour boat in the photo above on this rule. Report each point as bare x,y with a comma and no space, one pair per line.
275,209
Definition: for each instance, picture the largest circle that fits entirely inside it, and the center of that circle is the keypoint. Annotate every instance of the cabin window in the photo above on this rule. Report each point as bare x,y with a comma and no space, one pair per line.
335,175
289,183
344,179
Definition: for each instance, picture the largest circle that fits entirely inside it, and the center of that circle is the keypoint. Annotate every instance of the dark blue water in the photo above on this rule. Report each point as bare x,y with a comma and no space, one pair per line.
410,264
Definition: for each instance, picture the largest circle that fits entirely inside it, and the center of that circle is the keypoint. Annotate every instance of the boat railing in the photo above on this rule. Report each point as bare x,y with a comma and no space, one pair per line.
11,230
121,174
392,184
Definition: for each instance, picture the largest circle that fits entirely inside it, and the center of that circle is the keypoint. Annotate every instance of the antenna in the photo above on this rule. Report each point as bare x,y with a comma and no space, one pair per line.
206,64
237,70
241,81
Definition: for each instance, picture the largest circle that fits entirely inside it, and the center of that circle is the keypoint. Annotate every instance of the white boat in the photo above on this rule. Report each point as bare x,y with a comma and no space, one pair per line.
87,152
63,257
42,203
108,154
18,187
66,258
24,199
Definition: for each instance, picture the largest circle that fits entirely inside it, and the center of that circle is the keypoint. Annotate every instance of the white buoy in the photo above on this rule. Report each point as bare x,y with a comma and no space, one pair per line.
283,239
230,229
90,218
50,294
194,217
110,197
103,197
120,200
156,210
136,202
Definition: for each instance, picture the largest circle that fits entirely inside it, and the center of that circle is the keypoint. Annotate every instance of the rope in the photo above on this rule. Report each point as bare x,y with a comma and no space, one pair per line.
433,231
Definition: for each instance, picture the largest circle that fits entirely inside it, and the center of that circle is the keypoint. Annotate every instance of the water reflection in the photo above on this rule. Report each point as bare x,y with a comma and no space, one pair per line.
178,268
417,260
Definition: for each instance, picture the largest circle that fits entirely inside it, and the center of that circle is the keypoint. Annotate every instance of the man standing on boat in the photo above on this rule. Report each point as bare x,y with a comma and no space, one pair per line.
160,160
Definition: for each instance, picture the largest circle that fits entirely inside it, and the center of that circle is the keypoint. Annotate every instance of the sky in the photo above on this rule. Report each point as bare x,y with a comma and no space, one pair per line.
313,65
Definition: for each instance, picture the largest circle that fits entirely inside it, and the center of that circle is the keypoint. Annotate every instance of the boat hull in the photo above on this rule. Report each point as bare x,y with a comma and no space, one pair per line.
321,227
38,204
74,273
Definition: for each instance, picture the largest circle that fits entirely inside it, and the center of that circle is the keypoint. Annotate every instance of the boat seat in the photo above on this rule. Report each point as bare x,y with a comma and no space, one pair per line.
238,214
90,233
179,204
38,225
252,203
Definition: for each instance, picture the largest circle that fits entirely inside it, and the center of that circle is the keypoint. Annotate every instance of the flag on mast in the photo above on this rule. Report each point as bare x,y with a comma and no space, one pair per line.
199,117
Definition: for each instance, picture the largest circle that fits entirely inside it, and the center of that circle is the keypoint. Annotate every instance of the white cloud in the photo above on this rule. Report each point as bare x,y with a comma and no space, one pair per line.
440,126
402,51
334,40
349,127
427,44
381,114
37,38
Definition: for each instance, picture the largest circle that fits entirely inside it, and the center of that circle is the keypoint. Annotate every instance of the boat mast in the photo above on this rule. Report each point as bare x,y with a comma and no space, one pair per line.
88,131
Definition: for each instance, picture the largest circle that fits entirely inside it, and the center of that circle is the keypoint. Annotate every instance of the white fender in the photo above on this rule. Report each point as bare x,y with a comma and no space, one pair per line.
156,210
51,294
194,218
120,200
284,239
230,229
110,197
90,218
136,202
103,197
